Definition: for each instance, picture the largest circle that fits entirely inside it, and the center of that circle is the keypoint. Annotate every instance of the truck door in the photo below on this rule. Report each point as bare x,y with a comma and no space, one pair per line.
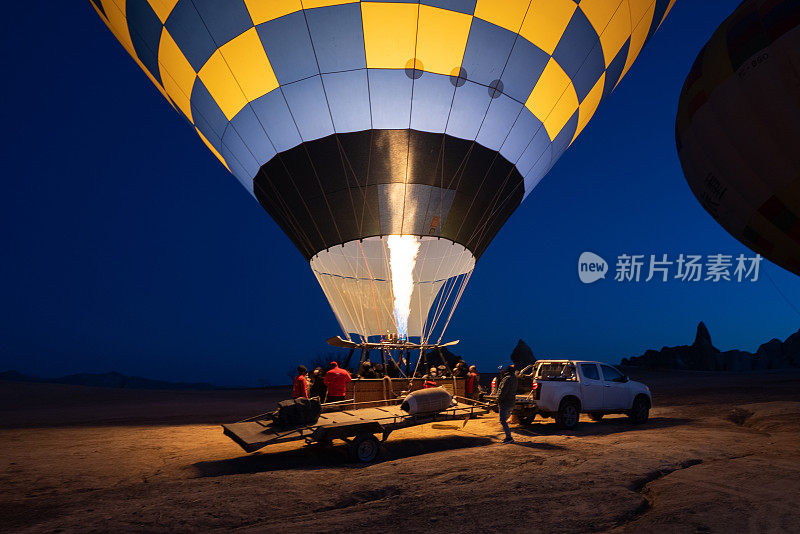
616,392
591,387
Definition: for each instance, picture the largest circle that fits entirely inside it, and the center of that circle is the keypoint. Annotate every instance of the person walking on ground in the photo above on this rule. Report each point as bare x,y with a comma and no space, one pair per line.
336,379
506,398
472,386
300,388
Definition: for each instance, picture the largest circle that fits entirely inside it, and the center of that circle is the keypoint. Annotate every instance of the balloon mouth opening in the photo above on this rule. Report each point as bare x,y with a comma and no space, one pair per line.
394,287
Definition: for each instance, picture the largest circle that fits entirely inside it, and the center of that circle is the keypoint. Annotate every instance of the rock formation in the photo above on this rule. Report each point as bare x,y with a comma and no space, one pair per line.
702,355
522,355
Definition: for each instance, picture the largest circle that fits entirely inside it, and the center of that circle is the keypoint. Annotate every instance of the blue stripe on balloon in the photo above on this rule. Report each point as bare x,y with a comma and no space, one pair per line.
309,107
469,106
615,68
502,113
540,168
189,33
273,113
246,123
488,47
338,37
348,96
288,47
145,30
588,74
390,98
525,66
576,45
233,147
224,20
565,136
540,144
208,118
433,94
520,135
238,171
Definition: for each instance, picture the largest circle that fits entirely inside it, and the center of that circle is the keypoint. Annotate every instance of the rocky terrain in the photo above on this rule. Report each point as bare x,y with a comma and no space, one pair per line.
702,355
720,454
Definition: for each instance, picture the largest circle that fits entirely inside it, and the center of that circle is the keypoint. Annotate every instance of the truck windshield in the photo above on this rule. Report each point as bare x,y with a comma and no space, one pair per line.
555,371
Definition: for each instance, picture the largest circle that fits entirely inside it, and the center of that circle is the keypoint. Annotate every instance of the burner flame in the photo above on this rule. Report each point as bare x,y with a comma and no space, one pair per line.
403,251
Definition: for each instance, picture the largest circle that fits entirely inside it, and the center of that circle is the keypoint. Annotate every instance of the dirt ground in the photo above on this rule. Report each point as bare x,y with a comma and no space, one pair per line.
721,453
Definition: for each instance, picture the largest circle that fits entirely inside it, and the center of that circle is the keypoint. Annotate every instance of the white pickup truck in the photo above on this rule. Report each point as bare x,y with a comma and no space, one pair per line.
562,389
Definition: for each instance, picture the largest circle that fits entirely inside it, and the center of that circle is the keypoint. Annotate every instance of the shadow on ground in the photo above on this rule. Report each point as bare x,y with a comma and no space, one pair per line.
319,457
606,426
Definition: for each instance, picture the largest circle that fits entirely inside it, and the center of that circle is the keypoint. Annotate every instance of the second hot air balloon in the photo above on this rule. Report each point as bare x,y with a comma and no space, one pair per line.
738,125
389,140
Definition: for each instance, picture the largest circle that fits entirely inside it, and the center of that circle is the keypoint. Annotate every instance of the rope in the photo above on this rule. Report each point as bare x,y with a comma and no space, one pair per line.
372,286
789,302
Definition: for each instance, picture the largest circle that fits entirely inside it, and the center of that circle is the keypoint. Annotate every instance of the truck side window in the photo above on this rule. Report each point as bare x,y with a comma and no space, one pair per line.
610,374
589,370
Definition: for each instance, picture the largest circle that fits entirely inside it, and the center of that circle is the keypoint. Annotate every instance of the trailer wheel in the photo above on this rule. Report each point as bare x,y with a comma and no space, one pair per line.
365,448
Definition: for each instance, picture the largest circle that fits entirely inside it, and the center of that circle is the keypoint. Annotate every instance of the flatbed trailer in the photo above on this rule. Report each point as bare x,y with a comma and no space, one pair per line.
355,425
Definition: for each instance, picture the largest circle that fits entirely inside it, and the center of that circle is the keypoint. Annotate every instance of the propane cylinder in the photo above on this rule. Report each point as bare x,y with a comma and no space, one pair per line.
431,400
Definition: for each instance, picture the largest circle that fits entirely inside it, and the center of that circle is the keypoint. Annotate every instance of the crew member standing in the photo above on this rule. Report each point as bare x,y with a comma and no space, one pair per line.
318,388
300,383
506,398
336,379
472,386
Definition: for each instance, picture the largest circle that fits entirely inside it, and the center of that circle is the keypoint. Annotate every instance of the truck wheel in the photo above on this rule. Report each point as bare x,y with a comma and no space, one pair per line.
364,448
568,414
640,411
596,416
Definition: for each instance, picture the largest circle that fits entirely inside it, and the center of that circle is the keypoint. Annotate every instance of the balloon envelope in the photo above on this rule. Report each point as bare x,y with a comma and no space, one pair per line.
352,122
738,128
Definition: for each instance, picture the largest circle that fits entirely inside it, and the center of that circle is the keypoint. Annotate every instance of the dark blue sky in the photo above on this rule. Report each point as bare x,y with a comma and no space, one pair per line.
128,247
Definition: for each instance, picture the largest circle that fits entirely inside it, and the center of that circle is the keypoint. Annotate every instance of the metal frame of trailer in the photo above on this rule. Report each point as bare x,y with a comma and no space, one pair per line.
356,426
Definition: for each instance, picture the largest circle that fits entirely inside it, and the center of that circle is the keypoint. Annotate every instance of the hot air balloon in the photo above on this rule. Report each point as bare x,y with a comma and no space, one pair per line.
389,140
738,128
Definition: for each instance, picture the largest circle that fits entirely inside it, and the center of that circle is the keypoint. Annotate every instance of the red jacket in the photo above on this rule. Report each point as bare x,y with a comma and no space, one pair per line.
429,384
472,383
336,379
300,387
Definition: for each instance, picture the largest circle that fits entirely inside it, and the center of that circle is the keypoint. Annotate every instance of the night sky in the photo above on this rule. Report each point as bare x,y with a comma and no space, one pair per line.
128,247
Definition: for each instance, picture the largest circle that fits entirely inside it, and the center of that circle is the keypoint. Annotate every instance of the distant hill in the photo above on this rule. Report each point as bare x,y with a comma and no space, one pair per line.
108,380
702,355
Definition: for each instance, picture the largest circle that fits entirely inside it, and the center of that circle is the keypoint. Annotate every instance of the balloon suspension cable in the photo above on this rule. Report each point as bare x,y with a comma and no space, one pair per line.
372,286
455,303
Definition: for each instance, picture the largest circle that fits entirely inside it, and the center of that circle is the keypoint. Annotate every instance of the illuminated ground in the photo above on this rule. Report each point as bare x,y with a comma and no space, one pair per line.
155,461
